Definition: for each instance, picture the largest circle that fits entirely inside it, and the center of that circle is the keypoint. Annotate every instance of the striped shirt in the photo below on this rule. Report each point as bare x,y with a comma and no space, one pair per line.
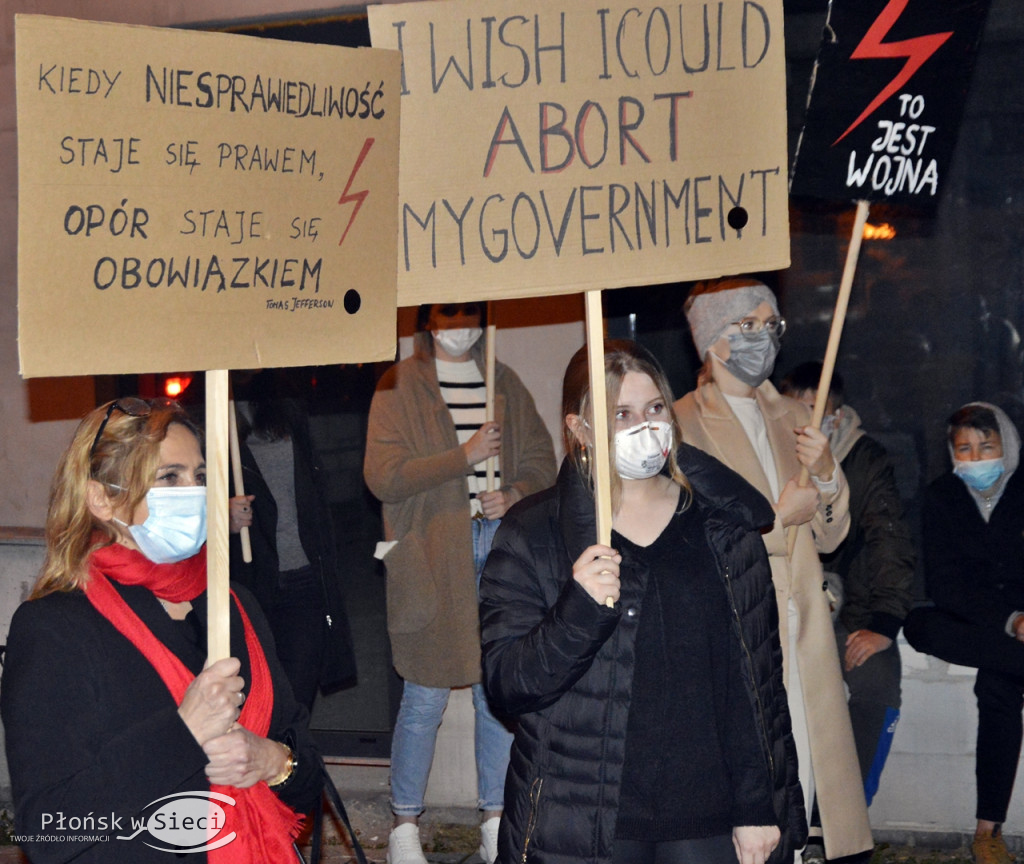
465,393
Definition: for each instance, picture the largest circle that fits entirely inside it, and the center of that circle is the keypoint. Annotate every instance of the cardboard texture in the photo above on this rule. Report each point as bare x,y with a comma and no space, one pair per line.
554,147
888,93
195,200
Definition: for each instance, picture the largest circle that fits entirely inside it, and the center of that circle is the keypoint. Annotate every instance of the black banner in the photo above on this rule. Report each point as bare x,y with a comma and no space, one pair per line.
886,99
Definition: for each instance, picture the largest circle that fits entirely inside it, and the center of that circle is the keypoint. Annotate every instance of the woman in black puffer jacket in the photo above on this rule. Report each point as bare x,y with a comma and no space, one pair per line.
646,679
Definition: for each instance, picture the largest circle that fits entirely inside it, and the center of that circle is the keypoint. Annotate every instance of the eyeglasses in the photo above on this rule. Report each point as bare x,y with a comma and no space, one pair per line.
751,326
130,405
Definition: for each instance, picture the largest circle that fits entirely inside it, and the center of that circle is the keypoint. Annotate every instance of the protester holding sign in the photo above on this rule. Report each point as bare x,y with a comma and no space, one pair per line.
113,726
294,572
736,415
973,538
634,670
428,442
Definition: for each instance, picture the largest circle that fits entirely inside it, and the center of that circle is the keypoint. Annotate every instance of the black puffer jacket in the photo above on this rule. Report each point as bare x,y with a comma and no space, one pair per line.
564,664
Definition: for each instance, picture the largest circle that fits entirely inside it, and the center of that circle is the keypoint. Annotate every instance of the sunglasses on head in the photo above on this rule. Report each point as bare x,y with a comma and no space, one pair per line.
450,310
133,407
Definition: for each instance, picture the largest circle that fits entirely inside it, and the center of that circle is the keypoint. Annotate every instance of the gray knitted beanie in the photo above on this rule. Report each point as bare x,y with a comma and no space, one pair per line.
714,305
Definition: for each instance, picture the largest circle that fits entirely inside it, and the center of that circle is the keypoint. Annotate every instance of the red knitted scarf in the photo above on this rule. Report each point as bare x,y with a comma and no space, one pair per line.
264,825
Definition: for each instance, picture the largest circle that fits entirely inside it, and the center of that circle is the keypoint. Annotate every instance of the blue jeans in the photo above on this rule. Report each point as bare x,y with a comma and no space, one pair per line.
419,716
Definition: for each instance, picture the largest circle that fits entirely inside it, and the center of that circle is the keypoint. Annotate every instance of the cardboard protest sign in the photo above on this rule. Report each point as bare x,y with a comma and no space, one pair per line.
887,97
194,200
554,147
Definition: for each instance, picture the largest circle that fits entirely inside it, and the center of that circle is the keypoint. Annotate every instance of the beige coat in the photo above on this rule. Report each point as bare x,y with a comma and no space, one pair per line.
415,466
709,423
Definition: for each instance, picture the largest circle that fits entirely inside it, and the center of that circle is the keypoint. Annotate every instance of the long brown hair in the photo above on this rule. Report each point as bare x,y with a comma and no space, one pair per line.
620,356
124,461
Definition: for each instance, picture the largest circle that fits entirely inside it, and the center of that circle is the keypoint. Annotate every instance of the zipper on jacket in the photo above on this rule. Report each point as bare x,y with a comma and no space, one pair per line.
750,663
321,570
531,822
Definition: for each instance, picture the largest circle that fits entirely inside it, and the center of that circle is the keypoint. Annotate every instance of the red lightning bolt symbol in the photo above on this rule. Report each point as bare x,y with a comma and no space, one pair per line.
357,197
917,51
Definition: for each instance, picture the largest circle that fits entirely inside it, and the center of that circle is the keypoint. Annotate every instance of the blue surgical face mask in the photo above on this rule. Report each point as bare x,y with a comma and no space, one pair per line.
176,526
751,359
980,474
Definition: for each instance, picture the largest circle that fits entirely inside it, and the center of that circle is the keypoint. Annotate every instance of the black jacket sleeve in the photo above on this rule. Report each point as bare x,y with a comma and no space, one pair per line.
540,629
880,575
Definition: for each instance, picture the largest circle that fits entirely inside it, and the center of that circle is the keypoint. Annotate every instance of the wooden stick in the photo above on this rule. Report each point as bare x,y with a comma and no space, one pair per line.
218,627
832,349
600,470
236,473
489,383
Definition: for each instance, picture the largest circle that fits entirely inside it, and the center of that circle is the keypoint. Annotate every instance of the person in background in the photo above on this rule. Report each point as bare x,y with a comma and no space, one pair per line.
295,572
428,443
737,416
108,706
646,676
973,546
871,573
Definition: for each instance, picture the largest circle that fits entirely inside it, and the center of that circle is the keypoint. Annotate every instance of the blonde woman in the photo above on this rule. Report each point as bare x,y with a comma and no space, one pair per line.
112,722
645,676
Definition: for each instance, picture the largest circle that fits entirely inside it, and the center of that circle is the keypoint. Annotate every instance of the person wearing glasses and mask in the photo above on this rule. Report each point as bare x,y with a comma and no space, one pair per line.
737,416
428,442
109,713
645,675
973,547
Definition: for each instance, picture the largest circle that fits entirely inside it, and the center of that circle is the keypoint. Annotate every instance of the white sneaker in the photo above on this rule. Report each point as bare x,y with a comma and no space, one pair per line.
404,845
489,839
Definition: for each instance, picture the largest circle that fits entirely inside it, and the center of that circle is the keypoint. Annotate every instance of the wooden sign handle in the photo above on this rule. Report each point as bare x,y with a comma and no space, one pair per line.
600,469
832,349
489,362
218,592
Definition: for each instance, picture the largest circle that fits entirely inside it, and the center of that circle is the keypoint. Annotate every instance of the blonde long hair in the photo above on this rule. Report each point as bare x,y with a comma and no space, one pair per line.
620,356
124,461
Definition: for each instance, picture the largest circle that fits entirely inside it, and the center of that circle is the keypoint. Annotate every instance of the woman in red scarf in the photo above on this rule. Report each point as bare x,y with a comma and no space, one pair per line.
121,746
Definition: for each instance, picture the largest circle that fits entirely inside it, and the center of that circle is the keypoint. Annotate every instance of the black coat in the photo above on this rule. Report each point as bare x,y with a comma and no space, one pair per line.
876,560
974,569
316,533
563,664
92,730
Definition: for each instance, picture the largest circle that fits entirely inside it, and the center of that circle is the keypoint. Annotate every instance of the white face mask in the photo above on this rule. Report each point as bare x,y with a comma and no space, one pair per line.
458,340
641,451
176,526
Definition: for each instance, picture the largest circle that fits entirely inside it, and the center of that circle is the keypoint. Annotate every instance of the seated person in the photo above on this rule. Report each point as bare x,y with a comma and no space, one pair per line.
973,519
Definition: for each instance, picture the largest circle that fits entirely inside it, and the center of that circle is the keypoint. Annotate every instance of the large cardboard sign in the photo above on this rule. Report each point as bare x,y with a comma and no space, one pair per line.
554,146
888,93
192,200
